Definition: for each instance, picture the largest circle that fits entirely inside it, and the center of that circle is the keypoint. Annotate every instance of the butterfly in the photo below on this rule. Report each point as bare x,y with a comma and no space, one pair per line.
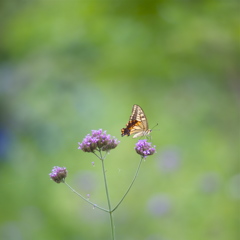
137,125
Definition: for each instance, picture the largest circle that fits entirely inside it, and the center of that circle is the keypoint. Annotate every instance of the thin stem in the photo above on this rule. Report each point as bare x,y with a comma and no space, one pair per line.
108,199
134,178
100,157
105,155
96,155
93,204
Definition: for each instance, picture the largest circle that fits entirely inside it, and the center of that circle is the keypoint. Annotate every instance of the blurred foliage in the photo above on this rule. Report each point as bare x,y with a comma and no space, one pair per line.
67,67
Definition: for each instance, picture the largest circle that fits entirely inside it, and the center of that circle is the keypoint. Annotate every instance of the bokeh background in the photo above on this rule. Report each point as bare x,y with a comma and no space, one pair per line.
67,67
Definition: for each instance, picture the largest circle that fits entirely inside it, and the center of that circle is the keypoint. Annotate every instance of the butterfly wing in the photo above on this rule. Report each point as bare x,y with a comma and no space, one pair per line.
141,125
137,125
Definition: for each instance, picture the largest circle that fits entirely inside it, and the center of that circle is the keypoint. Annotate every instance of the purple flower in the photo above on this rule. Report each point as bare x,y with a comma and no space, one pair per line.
99,140
58,174
144,148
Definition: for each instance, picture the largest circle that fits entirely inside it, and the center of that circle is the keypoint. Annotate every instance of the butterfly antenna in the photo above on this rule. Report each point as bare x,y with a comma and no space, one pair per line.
155,126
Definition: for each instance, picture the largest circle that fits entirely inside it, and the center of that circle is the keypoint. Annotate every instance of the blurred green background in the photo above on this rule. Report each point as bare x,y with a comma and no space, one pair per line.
67,67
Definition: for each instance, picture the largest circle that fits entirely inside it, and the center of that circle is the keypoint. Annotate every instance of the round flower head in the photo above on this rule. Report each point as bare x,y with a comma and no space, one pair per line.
144,148
99,140
58,174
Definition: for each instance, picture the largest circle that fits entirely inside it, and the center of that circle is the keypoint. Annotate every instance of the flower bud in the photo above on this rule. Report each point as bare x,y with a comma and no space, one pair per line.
58,174
144,148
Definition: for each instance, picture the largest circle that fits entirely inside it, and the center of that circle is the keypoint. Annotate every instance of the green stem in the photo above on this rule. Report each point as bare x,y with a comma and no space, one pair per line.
108,199
93,204
134,178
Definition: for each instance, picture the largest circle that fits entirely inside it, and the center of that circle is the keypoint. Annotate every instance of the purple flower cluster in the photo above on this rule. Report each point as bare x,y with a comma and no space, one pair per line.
58,174
144,148
99,140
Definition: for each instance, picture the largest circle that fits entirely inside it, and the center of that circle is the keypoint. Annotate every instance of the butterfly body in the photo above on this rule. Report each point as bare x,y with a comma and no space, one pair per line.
137,125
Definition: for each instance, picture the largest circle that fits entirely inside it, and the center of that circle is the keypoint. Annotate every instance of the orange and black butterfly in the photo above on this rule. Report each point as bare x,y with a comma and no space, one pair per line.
137,125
